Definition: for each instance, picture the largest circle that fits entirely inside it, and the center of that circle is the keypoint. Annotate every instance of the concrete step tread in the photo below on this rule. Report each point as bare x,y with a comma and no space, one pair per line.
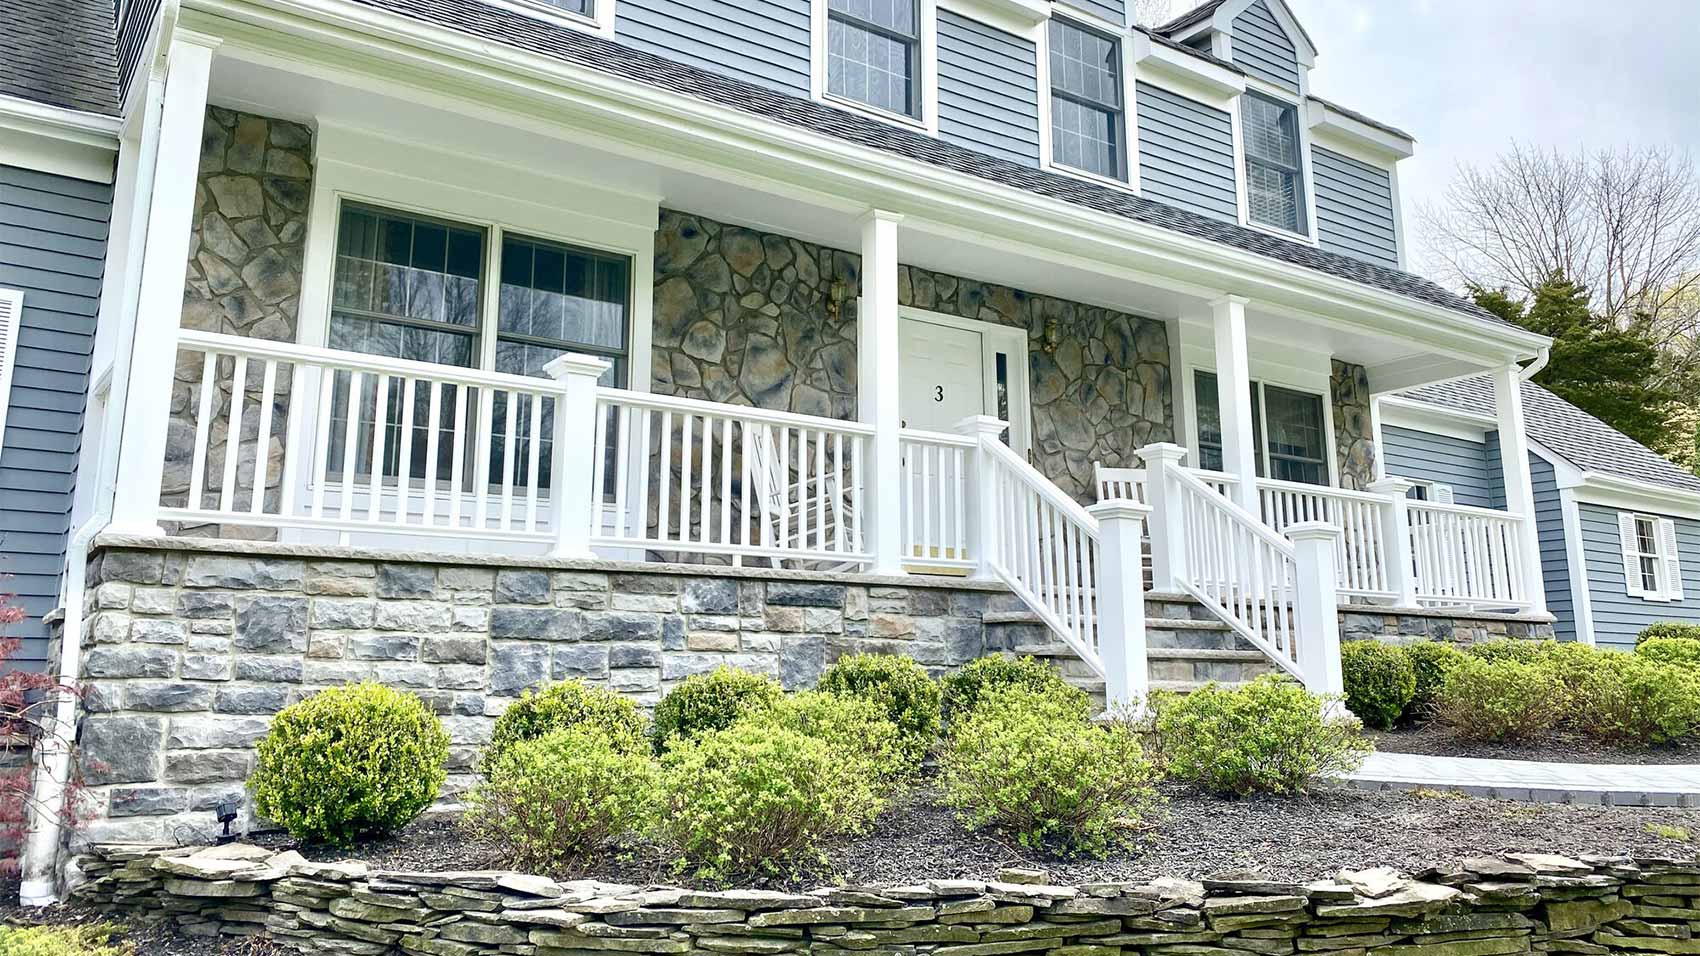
1096,687
1153,653
1151,623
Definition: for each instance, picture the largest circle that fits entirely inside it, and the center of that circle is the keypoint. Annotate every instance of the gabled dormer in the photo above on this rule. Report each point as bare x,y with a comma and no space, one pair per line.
1261,37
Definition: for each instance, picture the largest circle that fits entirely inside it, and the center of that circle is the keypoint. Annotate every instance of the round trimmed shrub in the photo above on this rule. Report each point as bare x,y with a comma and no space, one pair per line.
1512,649
1634,699
1430,661
551,801
867,750
752,799
1500,699
1268,736
1031,762
963,690
902,691
712,701
564,706
349,762
1667,629
1380,681
1670,650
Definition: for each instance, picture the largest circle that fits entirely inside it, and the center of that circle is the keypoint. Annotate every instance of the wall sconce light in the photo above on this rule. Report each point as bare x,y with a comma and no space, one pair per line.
1049,340
834,295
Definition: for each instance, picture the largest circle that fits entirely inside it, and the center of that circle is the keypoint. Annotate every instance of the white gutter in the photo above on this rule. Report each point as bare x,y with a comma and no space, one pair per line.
40,886
1534,368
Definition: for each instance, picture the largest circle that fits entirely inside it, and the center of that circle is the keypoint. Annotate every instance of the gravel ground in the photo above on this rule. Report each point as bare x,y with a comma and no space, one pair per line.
1192,835
148,940
1441,741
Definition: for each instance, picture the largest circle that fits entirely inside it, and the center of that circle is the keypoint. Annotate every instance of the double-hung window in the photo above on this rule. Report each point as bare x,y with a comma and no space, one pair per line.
1087,119
414,287
1652,564
1274,172
873,54
1288,431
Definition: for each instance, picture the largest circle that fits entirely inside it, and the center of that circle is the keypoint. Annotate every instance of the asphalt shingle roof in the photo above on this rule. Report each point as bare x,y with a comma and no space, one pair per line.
1573,434
1354,114
564,43
61,53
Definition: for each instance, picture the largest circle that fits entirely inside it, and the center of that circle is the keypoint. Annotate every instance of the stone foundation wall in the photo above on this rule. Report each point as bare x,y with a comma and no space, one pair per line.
1487,906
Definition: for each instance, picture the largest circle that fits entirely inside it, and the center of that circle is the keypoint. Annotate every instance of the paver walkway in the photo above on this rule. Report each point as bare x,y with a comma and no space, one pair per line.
1676,785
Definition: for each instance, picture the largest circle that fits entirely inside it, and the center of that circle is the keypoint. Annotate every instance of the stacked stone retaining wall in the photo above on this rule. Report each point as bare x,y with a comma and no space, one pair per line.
1488,906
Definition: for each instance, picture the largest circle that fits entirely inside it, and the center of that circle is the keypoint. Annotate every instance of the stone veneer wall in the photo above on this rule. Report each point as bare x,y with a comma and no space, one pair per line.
1485,906
1354,440
766,320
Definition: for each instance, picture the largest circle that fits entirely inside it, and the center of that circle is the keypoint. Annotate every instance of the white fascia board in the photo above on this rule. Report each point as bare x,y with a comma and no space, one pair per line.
1354,137
344,41
1625,494
1421,416
52,139
1184,73
1011,16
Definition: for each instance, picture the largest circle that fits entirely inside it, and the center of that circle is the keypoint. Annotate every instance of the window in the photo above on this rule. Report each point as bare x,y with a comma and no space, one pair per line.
413,287
1297,445
873,53
1652,566
1086,100
583,8
1274,177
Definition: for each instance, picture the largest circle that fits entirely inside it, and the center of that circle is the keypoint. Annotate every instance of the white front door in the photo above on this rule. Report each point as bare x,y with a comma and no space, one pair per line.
943,374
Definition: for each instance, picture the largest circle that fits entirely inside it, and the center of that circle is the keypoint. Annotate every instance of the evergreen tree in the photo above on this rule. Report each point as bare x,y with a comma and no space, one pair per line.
1607,369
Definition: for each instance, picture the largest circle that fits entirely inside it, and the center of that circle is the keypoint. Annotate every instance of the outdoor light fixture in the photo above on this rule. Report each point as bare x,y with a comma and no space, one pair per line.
227,810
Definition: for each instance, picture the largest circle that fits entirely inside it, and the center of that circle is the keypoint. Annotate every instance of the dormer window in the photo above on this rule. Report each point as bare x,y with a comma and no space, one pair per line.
583,8
1087,125
873,54
1274,172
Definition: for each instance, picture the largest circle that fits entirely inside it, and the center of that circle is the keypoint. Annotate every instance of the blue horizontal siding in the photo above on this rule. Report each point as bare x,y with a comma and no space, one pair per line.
1459,462
52,247
988,89
1186,153
765,42
1263,49
1114,11
1617,616
1354,207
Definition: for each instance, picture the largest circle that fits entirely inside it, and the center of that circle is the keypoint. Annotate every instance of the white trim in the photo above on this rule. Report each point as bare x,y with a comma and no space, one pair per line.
1421,416
11,327
1184,74
1129,106
1270,91
600,21
994,338
1576,566
927,80
1353,136
62,142
1610,491
1019,17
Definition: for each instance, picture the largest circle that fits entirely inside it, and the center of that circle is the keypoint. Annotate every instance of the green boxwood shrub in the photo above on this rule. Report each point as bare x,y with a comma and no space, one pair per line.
1268,736
963,690
1631,698
712,701
900,688
1031,761
1668,629
1380,681
563,706
1511,649
1430,663
1500,699
94,940
1670,650
551,801
867,751
349,762
751,799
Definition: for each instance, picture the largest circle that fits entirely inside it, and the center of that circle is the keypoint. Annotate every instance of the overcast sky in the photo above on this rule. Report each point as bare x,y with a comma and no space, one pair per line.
1465,77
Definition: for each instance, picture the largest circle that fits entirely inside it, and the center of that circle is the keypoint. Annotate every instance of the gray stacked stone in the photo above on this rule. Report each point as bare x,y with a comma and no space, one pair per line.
1354,439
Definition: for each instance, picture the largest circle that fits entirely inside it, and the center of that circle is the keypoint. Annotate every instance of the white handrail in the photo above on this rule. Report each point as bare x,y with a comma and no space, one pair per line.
1468,556
1362,555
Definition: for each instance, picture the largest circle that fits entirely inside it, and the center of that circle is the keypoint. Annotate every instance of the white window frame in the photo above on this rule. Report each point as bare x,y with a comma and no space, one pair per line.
1130,106
600,21
1666,557
1308,210
1261,384
926,82
11,328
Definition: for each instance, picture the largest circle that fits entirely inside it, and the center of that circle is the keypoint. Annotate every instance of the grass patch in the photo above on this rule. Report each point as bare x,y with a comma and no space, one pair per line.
1668,832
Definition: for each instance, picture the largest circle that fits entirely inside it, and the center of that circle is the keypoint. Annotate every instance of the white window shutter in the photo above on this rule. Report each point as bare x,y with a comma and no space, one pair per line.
11,319
1672,559
1442,494
1631,556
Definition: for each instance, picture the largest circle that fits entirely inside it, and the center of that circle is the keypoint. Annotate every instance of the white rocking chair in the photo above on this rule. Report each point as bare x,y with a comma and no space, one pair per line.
801,513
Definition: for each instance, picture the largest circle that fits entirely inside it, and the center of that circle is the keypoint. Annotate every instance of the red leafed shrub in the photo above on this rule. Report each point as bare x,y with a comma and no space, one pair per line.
26,719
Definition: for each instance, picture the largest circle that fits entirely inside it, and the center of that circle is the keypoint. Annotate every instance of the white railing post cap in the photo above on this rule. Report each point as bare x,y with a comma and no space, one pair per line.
1391,485
1312,531
1164,450
1118,509
576,363
981,425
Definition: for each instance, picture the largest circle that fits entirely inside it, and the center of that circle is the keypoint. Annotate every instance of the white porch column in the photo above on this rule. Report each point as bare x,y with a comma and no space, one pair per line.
1316,609
1233,397
1519,487
981,506
573,492
1396,532
1167,534
1121,602
876,390
159,302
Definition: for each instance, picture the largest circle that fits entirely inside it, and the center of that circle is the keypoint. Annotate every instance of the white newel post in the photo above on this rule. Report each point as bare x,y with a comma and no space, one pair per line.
1396,532
1233,397
981,506
1519,486
1167,534
159,299
1316,605
876,390
573,492
1121,602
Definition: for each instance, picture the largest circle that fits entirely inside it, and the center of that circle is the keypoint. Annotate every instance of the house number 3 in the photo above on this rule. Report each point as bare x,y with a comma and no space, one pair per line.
938,393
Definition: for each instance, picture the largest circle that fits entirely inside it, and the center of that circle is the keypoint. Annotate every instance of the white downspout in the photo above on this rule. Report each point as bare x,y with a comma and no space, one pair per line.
53,769
1540,362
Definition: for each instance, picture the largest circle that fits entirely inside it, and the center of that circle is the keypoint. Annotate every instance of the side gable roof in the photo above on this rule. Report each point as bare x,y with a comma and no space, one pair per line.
1581,439
60,53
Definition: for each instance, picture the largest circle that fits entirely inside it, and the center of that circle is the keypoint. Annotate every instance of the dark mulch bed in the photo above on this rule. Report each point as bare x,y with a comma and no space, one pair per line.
1561,746
1195,834
148,939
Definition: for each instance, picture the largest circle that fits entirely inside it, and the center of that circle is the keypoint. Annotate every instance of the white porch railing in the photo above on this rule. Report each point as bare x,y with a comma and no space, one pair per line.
935,498
1467,556
1362,557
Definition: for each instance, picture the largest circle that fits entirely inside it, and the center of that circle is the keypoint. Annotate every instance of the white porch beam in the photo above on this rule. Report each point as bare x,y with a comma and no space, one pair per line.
1233,398
1519,486
877,394
159,302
